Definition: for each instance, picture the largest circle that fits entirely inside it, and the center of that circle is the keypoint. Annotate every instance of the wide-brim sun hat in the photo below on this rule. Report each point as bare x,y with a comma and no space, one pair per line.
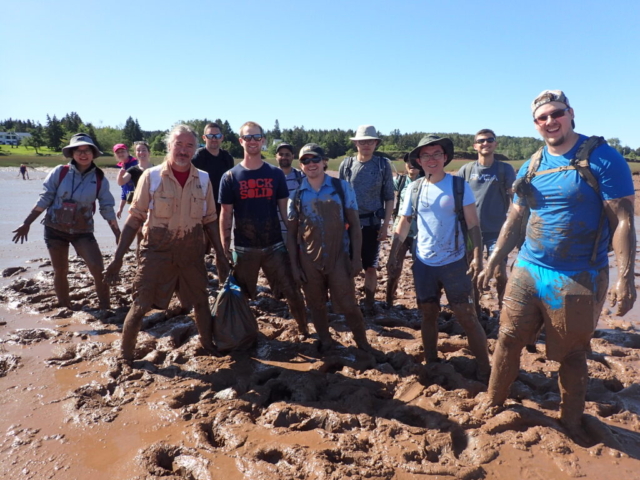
78,140
366,132
444,142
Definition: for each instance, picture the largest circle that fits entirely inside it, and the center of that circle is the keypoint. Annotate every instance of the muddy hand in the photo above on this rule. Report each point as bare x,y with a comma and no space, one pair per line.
483,278
21,233
622,296
356,266
298,275
112,273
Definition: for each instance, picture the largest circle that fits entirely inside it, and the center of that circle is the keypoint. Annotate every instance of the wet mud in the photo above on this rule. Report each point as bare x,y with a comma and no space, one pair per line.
284,410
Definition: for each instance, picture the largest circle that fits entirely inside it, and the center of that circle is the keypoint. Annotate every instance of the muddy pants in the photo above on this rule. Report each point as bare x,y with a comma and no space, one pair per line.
568,304
276,265
343,294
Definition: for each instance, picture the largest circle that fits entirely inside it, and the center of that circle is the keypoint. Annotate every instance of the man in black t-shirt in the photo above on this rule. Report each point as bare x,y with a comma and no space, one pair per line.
212,159
252,193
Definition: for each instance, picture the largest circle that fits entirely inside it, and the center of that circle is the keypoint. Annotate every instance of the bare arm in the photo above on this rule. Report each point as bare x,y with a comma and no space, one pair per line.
399,236
282,208
123,177
22,232
507,241
226,220
388,211
620,215
473,227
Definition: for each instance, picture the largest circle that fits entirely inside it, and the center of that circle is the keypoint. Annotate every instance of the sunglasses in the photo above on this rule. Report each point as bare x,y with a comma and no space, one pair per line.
485,140
256,137
211,136
542,119
308,160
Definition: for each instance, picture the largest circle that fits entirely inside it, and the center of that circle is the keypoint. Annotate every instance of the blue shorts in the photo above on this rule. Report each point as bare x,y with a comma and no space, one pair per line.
453,277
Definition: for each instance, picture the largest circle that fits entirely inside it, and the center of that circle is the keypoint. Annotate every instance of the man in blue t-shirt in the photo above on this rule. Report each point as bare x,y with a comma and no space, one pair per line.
490,181
252,193
560,277
440,249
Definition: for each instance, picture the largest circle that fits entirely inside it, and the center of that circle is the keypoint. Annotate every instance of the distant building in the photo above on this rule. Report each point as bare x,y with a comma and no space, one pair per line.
12,138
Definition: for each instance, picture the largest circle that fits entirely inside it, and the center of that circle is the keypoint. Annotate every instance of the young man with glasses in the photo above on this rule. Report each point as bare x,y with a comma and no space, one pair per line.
252,193
560,276
318,243
490,181
440,249
372,180
284,157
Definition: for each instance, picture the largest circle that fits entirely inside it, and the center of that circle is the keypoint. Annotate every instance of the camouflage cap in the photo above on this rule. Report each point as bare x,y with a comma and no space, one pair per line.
548,96
312,149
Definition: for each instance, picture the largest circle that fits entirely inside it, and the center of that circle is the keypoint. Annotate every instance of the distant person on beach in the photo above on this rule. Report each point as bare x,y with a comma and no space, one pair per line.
70,193
437,202
318,244
23,171
125,161
215,161
372,180
175,202
284,157
577,193
252,193
401,186
133,174
490,181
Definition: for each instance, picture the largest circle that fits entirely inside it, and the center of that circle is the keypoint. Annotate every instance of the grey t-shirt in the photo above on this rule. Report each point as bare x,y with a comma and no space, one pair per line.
490,201
373,183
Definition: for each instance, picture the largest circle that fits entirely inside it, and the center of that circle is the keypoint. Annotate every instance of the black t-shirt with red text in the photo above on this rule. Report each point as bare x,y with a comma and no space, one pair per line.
254,195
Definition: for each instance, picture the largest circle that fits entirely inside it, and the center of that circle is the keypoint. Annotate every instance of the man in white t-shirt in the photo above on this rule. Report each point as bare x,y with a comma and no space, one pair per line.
440,247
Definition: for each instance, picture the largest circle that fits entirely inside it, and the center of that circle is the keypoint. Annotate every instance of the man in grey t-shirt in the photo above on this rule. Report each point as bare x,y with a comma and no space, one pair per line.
490,180
372,180
284,157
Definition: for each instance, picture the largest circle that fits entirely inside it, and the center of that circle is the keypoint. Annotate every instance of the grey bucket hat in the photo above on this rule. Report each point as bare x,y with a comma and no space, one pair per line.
444,142
78,140
366,132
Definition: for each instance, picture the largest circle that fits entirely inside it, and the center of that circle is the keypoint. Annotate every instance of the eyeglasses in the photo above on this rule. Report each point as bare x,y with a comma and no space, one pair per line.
435,156
83,151
365,142
308,160
485,140
256,137
542,119
211,136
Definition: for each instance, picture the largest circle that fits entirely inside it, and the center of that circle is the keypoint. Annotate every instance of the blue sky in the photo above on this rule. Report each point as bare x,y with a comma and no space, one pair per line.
449,66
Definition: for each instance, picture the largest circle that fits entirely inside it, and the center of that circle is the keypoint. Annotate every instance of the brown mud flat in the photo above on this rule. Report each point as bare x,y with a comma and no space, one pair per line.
283,410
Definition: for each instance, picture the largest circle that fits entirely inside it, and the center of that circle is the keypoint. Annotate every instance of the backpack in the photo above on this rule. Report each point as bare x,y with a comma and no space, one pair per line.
383,166
155,178
99,176
580,163
467,170
298,174
458,197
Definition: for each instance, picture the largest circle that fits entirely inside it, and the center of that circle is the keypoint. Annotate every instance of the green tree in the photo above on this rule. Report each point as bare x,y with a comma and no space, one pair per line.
158,145
36,140
276,133
107,137
131,131
71,123
54,133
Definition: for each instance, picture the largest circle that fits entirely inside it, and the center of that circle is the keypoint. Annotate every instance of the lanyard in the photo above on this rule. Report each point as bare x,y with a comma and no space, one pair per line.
73,181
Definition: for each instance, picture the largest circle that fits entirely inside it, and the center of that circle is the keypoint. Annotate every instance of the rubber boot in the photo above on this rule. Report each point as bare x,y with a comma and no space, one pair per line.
369,301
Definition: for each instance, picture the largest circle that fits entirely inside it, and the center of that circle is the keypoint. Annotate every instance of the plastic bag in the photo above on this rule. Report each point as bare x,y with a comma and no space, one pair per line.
234,326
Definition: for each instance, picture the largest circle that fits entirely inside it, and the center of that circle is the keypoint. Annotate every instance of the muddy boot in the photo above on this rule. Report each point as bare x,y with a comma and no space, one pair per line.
369,302
573,377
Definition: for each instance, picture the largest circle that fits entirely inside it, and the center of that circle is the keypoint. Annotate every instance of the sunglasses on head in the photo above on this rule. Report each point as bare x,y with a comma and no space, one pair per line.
308,160
257,136
211,136
485,140
542,119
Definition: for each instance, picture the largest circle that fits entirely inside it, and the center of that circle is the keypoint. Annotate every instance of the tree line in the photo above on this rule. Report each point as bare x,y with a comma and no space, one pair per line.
56,132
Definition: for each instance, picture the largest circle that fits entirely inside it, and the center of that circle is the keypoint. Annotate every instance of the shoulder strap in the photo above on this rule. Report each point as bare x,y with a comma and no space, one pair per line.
534,163
502,182
63,173
347,169
458,197
298,174
154,179
401,183
581,161
416,189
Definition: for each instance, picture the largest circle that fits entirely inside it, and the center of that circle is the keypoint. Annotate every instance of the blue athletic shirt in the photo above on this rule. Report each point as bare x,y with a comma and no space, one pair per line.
562,228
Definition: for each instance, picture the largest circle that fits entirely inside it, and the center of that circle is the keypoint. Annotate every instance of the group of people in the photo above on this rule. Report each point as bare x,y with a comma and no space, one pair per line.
311,233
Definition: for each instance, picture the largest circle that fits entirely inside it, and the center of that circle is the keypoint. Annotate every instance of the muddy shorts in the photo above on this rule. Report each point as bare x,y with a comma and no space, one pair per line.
55,238
453,277
275,264
370,246
567,303
158,277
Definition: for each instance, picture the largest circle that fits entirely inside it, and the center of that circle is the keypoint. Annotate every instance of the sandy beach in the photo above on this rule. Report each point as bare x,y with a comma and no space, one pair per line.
281,410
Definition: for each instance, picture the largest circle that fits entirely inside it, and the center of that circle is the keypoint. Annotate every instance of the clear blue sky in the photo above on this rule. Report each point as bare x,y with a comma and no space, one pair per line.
450,66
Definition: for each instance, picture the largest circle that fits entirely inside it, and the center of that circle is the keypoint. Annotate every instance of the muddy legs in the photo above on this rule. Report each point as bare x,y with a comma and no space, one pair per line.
465,314
506,365
132,325
573,378
60,264
430,312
